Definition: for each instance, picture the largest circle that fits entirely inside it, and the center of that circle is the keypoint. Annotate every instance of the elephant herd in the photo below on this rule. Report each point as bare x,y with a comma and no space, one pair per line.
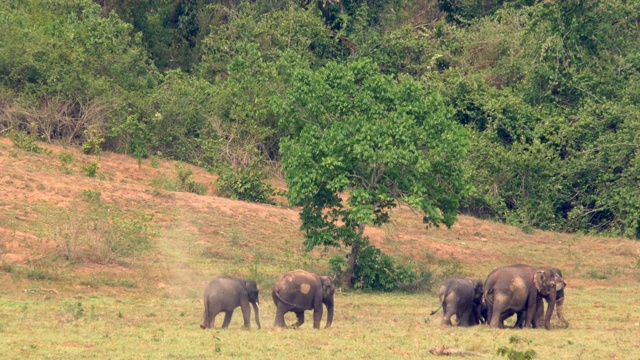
515,289
295,291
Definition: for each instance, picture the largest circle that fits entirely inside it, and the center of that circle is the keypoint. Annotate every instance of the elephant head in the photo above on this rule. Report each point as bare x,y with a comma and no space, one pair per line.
327,297
548,284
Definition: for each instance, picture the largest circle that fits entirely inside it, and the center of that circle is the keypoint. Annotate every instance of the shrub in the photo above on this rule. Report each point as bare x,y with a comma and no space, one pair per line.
93,145
248,184
186,183
67,158
27,142
101,233
91,169
375,270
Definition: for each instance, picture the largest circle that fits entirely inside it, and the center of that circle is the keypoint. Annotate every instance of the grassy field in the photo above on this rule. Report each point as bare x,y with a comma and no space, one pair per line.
64,297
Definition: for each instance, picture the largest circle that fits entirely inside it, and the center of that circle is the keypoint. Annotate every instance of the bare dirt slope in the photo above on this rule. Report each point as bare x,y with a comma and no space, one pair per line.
197,235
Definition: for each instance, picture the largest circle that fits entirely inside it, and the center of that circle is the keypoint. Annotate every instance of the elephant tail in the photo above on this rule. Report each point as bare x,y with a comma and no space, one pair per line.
285,301
488,297
436,310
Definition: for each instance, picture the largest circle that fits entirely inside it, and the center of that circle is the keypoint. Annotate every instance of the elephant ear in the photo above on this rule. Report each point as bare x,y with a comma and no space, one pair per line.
539,279
560,283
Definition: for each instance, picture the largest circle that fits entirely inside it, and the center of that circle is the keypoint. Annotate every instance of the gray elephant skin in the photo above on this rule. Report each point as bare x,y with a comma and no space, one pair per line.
299,290
519,289
559,304
225,294
463,298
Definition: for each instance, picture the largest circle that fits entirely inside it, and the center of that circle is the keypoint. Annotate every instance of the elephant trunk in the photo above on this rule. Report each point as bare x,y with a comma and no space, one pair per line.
256,309
329,314
551,302
206,317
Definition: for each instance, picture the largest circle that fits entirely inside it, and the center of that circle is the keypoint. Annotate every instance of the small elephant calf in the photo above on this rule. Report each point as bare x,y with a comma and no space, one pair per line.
462,297
225,294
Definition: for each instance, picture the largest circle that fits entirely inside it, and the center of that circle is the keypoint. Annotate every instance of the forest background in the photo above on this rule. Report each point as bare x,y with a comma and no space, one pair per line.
546,92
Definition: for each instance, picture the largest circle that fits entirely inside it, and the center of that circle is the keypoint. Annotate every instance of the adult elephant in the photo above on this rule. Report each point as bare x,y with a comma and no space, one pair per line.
539,316
225,294
517,289
300,290
463,298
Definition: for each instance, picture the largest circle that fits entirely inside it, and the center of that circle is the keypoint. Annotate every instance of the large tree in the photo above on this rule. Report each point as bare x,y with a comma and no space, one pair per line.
363,142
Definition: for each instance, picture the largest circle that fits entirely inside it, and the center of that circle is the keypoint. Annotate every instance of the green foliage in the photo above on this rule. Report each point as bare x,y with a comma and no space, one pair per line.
552,117
166,183
155,160
375,270
92,196
93,145
382,140
75,310
66,67
39,273
187,183
91,169
27,142
513,354
248,184
338,265
67,158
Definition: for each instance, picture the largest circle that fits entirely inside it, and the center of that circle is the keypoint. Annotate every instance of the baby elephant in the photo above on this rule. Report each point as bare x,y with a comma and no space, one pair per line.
462,297
224,294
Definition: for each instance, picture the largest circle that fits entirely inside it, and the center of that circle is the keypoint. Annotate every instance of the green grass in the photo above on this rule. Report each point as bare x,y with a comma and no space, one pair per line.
140,326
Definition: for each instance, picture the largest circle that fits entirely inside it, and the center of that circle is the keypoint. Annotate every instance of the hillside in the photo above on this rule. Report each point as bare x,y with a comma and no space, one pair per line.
194,237
33,186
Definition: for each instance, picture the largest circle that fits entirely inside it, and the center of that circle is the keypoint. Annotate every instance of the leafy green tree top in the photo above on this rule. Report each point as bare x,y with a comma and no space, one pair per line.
362,143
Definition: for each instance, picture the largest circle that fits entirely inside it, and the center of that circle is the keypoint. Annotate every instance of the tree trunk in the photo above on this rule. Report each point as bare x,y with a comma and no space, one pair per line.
351,261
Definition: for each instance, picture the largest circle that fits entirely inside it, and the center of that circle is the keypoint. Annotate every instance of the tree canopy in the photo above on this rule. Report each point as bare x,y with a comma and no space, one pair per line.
363,143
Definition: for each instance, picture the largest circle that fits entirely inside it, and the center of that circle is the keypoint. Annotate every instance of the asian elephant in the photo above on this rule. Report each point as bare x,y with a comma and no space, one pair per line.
539,316
462,297
299,290
517,289
224,294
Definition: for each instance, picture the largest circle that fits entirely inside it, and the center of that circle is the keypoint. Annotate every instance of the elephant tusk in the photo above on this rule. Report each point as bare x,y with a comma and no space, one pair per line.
257,306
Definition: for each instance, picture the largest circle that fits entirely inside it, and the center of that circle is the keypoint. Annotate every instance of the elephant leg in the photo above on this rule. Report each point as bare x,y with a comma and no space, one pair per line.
520,316
279,322
300,315
447,314
531,312
317,316
464,318
446,320
227,319
497,320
